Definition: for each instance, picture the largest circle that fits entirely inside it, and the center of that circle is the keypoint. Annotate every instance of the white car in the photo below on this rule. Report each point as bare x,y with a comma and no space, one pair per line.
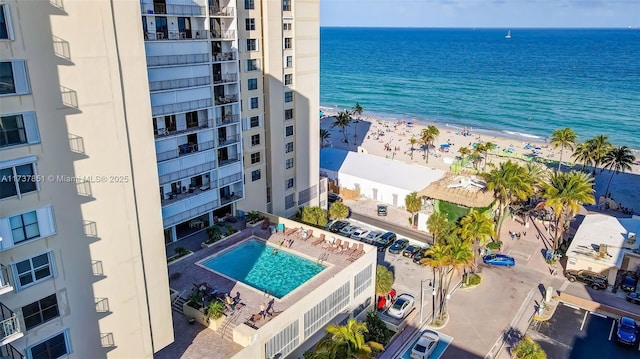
402,306
372,237
425,346
359,234
348,230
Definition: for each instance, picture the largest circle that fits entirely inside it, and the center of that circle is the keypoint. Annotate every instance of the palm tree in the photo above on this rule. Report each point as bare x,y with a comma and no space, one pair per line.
464,152
618,160
343,120
338,211
429,135
563,138
583,153
437,225
536,175
478,150
528,349
599,147
488,146
384,280
324,135
345,342
356,110
413,204
460,256
412,142
565,192
508,181
476,228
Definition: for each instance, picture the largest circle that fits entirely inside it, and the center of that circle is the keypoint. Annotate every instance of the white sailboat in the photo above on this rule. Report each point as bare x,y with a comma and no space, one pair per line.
508,36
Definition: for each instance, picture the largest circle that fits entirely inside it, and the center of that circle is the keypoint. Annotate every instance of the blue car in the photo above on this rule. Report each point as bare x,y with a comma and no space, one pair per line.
499,260
627,331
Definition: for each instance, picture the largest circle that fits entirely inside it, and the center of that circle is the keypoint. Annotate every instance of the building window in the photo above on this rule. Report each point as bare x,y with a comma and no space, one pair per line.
286,26
33,270
288,62
252,65
52,348
40,312
254,121
289,147
12,131
288,201
250,24
255,140
5,31
17,180
286,5
249,4
252,45
288,43
13,78
288,131
255,157
24,227
288,96
254,103
288,79
255,175
288,163
252,84
288,114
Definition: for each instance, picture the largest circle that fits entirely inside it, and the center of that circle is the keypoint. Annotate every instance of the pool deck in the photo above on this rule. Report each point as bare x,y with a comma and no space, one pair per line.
185,273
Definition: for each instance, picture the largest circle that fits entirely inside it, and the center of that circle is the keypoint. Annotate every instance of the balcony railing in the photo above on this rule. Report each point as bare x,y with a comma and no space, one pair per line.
170,60
187,172
191,192
224,12
9,326
224,100
230,198
7,351
236,177
192,213
176,35
185,149
227,119
5,285
179,83
221,79
224,35
180,107
224,56
228,140
229,160
170,9
163,132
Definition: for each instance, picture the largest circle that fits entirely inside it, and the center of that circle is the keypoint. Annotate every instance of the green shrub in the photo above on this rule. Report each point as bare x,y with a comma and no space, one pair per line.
473,279
494,246
378,331
181,251
215,309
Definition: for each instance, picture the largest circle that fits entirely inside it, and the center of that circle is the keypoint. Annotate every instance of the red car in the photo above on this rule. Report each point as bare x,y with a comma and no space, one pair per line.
384,301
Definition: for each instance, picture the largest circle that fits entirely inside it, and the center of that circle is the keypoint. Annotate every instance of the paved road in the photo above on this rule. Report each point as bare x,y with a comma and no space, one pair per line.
401,231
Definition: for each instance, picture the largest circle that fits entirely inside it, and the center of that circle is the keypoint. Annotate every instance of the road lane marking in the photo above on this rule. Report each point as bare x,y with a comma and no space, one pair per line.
613,324
598,315
571,306
583,320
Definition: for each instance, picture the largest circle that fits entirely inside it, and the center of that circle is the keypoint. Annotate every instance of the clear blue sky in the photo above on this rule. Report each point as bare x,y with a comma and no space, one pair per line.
480,13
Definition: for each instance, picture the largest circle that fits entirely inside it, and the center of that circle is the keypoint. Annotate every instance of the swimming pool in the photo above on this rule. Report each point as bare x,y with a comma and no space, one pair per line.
254,263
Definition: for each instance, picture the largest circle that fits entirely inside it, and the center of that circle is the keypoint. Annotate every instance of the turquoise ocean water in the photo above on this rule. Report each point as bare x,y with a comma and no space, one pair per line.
529,85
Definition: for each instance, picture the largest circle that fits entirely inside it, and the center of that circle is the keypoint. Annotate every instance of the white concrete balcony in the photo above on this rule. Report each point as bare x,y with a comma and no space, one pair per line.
164,132
226,161
5,284
179,83
176,60
189,208
229,140
217,11
176,35
225,56
171,9
225,78
234,196
168,174
190,193
9,326
181,107
227,119
225,100
236,177
185,150
223,34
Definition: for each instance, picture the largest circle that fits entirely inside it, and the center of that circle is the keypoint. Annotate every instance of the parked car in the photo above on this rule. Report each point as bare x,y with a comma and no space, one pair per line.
592,279
401,307
384,301
359,234
627,331
420,255
410,251
398,246
348,230
332,197
382,210
372,237
425,346
633,297
629,284
337,226
382,244
499,260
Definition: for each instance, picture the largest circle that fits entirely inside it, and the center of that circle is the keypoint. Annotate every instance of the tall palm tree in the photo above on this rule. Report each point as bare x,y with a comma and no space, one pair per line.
437,257
565,192
536,174
478,150
618,160
412,142
599,147
563,138
413,204
345,342
460,256
583,153
429,135
509,181
464,152
324,135
488,146
476,228
356,111
528,349
437,225
343,120
384,280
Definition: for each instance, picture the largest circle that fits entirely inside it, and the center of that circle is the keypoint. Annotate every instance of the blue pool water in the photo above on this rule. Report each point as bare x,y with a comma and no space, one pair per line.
255,264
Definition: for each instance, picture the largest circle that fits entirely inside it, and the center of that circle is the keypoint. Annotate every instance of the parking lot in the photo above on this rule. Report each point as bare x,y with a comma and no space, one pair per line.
574,333
443,344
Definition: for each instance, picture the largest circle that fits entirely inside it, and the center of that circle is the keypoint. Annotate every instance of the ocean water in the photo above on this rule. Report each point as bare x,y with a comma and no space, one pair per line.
529,85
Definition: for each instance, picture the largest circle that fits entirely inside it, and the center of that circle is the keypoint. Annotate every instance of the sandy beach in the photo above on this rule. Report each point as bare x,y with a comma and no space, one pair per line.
390,139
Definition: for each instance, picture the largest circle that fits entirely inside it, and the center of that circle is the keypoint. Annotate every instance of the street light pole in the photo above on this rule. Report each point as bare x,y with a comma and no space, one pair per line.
422,296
